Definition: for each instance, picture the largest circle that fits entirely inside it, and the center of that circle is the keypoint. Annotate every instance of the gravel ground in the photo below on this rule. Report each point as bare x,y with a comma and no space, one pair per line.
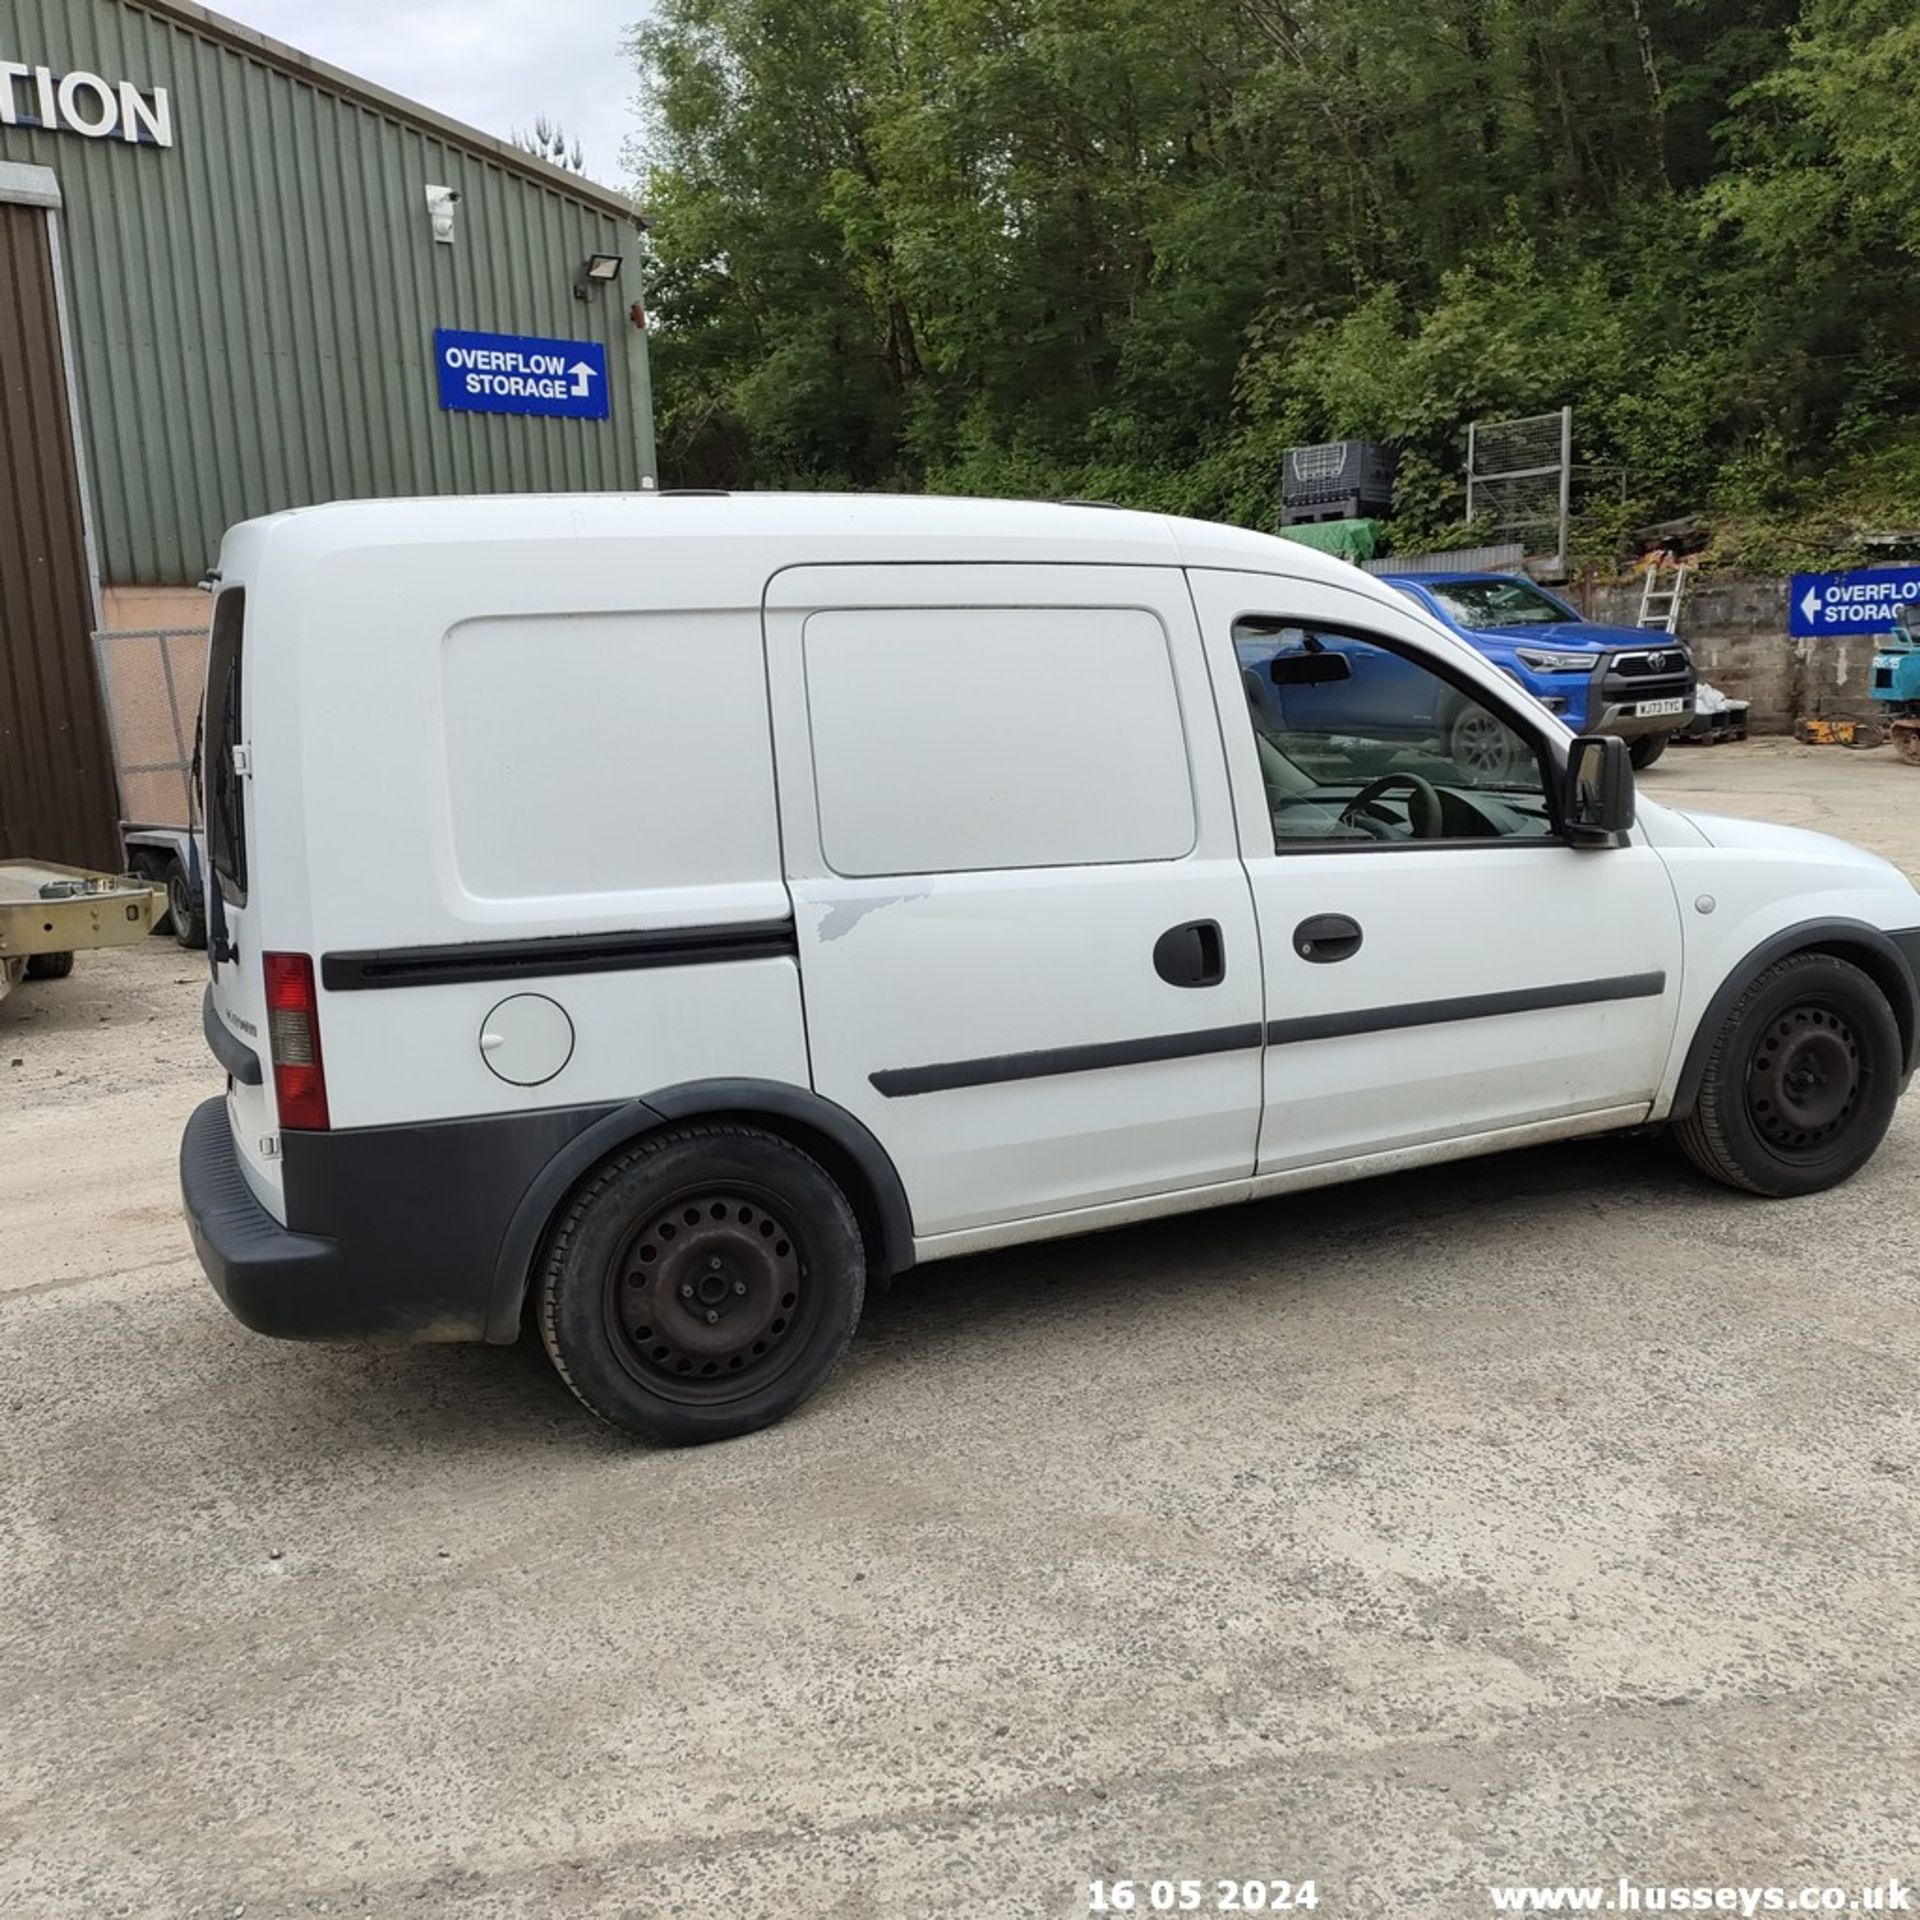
1547,1518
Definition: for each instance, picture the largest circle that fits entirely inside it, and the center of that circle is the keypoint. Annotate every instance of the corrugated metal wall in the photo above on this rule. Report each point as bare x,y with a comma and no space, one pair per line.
56,779
253,308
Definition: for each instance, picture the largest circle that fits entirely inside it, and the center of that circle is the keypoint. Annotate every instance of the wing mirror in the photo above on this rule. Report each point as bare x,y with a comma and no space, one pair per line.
1309,669
1599,791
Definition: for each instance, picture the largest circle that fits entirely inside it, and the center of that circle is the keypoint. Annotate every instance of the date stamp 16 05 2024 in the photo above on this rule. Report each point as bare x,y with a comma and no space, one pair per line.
1202,1896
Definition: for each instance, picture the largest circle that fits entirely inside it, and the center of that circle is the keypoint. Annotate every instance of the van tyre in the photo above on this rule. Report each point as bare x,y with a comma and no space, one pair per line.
49,966
701,1284
1647,749
1800,1083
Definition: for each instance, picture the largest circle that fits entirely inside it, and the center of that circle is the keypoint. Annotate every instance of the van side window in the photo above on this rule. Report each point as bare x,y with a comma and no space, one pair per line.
1360,744
955,740
226,805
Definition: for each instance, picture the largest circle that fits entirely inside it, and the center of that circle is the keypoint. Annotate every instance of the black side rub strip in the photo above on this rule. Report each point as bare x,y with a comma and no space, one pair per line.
227,1047
565,953
996,1069
1472,1006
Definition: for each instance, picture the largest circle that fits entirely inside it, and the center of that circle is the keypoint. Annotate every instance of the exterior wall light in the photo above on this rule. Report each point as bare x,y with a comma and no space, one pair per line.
595,271
441,202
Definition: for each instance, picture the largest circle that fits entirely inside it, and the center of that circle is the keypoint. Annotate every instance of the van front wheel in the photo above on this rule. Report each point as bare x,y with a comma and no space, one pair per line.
701,1284
1800,1082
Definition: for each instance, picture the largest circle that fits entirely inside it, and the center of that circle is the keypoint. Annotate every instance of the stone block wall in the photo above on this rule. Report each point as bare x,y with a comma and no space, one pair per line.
1736,625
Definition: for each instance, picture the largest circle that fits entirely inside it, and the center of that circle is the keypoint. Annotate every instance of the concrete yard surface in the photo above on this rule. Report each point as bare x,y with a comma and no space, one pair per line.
1550,1518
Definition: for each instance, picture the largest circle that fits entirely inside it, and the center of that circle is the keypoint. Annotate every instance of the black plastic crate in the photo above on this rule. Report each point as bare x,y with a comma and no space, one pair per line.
1340,479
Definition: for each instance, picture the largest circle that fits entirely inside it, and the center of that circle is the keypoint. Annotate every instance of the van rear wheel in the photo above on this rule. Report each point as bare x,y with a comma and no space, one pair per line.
702,1284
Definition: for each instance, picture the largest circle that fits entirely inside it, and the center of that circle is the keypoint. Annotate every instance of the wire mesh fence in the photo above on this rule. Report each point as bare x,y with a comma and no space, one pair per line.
1519,481
151,680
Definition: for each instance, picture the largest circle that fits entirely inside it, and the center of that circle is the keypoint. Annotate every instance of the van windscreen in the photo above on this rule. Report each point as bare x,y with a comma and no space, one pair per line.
226,814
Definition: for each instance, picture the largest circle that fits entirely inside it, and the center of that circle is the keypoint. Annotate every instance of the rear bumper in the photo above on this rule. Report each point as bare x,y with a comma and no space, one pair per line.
271,1279
395,1233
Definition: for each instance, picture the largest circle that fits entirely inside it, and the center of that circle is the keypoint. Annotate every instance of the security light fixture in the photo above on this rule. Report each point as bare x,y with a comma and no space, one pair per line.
595,271
441,202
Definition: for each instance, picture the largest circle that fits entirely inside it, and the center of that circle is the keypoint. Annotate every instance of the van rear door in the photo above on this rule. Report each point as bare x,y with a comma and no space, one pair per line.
236,1013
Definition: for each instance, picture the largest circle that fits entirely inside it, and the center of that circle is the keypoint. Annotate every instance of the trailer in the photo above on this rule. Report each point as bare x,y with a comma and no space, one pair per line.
50,913
174,859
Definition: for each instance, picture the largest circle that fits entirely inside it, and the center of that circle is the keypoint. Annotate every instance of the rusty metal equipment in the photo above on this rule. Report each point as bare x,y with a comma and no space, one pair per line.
1817,731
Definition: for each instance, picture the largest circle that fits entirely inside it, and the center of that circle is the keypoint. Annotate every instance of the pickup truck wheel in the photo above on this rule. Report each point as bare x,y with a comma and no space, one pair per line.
1483,746
1647,749
49,966
185,908
1801,1081
701,1284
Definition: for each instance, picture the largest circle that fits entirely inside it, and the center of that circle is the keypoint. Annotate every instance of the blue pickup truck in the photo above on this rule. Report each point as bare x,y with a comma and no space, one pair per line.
1598,679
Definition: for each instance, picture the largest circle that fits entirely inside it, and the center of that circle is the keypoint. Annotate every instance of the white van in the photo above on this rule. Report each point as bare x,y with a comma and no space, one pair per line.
665,915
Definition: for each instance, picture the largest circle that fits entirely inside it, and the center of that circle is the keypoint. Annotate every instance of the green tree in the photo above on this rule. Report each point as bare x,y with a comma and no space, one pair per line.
1116,248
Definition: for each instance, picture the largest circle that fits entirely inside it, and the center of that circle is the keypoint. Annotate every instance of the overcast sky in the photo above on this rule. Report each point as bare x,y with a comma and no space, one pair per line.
495,64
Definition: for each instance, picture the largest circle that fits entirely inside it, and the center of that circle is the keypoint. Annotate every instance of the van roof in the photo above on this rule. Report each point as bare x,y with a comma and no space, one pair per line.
811,527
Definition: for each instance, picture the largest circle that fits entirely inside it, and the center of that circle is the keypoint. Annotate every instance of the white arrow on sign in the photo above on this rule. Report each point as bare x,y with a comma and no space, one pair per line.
582,373
1810,606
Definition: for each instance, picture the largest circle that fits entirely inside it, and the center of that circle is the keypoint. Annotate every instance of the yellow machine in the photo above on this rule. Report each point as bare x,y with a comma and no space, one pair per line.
1838,733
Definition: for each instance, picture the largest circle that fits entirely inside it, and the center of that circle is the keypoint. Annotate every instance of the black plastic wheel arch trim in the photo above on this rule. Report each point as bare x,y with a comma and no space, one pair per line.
720,1099
1891,960
550,954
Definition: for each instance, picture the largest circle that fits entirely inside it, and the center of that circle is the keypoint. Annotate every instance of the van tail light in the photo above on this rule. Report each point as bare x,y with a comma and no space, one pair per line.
293,1037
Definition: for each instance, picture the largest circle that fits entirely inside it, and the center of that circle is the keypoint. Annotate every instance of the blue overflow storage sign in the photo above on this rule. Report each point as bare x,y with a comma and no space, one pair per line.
517,373
1826,605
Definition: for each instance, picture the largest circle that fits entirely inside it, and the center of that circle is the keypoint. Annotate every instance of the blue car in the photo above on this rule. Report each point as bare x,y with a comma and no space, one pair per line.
1598,679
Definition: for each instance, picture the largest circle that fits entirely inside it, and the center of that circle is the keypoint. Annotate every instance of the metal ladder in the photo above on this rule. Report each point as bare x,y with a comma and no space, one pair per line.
1660,606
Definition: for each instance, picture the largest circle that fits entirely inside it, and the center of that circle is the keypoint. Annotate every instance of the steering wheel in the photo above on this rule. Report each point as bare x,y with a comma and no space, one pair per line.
1423,806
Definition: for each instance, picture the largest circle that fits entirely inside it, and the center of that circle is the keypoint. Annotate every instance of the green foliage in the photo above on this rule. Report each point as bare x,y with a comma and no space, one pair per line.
1116,249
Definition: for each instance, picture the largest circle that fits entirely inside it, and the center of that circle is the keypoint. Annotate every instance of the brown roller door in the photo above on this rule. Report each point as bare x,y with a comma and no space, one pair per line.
57,799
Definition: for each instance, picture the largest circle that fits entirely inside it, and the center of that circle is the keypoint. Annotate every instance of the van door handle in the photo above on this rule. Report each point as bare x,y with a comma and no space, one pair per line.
1191,955
1324,937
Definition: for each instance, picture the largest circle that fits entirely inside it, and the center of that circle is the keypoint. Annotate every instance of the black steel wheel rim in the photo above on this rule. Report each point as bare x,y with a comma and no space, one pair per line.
179,900
1805,1080
711,1296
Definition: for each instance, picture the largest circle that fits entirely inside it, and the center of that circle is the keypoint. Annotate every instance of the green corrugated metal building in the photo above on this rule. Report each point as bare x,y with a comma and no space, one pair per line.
238,258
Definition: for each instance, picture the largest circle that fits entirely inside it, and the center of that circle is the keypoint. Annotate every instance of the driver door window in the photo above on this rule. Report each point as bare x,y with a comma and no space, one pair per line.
1360,745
